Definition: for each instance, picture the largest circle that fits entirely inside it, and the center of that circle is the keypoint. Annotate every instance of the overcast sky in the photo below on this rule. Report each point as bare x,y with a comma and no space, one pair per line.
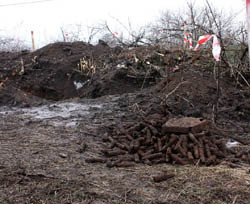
46,18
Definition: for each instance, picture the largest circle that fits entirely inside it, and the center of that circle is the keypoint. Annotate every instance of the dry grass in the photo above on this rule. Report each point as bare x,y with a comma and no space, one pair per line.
219,184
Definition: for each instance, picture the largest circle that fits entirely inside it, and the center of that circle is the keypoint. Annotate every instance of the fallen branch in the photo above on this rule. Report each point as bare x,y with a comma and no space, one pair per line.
175,89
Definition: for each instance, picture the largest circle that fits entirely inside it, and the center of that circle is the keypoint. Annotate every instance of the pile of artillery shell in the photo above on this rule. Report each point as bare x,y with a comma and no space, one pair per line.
150,143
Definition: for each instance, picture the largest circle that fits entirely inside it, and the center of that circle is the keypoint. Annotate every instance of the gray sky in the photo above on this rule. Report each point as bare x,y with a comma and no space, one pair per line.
46,18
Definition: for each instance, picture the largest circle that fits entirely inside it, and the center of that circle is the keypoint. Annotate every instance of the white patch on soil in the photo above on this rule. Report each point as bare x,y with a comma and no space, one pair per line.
79,85
67,114
232,144
63,110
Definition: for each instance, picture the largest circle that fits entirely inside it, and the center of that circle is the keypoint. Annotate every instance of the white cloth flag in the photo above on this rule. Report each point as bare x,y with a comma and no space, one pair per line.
216,48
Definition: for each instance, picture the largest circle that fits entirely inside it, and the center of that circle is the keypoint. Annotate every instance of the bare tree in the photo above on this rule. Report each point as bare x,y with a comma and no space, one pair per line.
78,32
168,30
11,44
127,37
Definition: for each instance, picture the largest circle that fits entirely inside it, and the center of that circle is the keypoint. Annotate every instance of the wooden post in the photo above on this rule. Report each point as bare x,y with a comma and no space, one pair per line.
184,49
217,67
66,37
33,41
216,54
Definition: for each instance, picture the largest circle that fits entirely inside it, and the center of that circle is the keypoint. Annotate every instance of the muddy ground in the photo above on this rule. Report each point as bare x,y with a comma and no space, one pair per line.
58,103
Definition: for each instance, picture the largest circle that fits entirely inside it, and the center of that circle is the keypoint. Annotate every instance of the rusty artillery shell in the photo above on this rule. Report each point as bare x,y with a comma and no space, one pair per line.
141,140
193,138
105,138
144,130
112,153
141,153
95,160
110,139
148,134
153,130
164,148
239,154
169,150
150,151
207,150
159,144
201,154
136,127
181,138
126,157
125,164
178,160
136,145
129,137
110,164
185,143
232,151
144,148
163,177
126,146
135,134
196,152
156,147
147,162
152,122
190,156
244,157
182,151
136,158
121,146
172,140
217,152
112,145
167,158
223,147
152,156
153,139
190,146
159,161
201,142
164,139
211,160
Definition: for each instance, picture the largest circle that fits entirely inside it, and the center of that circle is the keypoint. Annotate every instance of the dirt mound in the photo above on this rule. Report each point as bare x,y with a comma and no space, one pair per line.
194,93
65,70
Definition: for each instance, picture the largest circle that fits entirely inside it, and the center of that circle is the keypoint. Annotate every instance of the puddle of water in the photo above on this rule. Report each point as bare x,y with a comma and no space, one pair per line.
64,114
63,110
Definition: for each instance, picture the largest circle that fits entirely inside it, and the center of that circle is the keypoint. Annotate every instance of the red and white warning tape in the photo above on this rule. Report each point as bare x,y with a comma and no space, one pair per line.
216,45
188,38
203,39
114,34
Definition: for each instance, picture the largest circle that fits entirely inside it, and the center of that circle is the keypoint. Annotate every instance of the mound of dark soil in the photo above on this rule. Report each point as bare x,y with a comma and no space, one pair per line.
65,70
